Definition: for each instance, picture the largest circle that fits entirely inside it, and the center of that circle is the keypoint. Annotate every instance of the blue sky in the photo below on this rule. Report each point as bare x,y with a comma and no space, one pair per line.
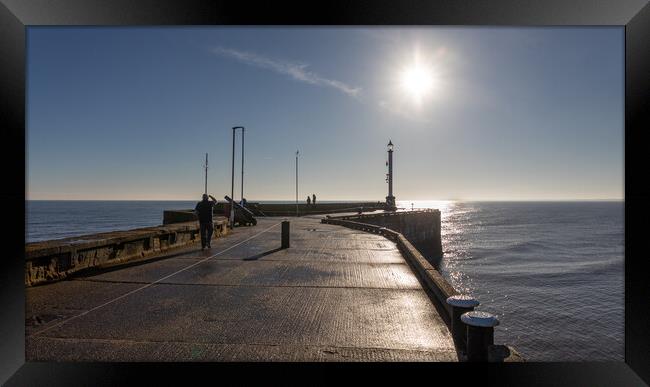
509,113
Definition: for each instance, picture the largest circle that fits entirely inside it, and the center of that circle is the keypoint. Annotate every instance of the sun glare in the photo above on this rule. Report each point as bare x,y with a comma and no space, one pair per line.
418,80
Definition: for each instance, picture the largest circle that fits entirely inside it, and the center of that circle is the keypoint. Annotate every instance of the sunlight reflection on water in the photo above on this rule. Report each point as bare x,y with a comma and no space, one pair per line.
535,265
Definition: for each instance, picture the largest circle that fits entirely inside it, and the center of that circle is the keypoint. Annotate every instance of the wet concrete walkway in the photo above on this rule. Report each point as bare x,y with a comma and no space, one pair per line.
336,295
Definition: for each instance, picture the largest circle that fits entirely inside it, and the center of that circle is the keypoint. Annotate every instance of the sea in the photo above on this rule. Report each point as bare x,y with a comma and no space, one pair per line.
552,272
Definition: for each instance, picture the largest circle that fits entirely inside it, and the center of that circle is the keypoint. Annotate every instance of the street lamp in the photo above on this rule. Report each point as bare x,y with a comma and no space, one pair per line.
232,185
206,173
243,131
390,199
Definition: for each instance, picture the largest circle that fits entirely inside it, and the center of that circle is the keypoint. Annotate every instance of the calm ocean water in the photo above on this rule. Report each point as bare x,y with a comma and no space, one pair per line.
551,271
46,219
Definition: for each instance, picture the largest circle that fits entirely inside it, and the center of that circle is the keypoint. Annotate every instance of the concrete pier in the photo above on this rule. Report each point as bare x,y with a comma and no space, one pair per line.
337,294
422,228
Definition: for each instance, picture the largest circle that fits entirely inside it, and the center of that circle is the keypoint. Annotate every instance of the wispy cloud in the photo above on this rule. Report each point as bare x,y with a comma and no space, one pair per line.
297,71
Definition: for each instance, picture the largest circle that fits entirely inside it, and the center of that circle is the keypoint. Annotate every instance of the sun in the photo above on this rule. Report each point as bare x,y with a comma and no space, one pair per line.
417,81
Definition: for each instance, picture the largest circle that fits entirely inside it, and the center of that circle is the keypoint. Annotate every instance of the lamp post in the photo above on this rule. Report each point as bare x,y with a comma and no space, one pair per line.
243,130
232,184
297,182
390,199
206,173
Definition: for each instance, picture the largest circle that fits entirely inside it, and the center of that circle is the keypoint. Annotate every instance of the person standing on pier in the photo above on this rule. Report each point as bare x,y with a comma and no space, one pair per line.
308,200
313,198
203,210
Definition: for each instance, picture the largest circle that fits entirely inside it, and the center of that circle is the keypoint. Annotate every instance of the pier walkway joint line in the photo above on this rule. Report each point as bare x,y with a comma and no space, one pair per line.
336,294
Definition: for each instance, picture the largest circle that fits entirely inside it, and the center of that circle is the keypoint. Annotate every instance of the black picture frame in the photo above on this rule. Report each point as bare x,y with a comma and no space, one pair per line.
16,15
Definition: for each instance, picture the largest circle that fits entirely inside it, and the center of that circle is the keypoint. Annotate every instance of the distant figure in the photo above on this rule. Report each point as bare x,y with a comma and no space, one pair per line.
308,200
313,198
203,210
411,206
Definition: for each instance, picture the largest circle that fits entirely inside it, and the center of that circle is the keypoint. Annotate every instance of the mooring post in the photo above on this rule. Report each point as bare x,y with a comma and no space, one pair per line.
480,334
460,304
285,234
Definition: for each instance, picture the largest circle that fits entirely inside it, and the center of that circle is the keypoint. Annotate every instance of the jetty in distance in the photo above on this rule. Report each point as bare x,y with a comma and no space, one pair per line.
281,282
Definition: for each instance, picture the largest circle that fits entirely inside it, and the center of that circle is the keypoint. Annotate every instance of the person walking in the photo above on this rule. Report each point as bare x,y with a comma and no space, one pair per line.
313,198
308,200
203,211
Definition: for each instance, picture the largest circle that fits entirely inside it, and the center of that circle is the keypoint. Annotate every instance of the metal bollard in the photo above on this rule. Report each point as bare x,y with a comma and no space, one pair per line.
480,334
285,234
460,304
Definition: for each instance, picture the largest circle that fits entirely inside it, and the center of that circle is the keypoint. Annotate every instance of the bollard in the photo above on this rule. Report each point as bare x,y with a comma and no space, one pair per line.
480,334
285,234
460,304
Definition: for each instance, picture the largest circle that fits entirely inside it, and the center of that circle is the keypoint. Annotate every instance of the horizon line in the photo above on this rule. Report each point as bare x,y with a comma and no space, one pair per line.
344,200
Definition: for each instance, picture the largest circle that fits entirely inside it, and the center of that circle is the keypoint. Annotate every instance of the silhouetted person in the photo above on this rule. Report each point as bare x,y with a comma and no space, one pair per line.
313,198
308,200
204,212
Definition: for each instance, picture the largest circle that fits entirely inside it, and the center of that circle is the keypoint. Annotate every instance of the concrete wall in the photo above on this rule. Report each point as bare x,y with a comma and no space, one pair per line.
438,287
421,228
179,216
305,209
188,215
54,260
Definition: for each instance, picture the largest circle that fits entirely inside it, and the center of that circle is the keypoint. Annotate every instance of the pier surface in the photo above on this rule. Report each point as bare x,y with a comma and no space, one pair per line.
336,294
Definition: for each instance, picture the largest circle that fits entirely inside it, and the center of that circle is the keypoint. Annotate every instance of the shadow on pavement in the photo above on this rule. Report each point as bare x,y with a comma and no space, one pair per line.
260,255
97,270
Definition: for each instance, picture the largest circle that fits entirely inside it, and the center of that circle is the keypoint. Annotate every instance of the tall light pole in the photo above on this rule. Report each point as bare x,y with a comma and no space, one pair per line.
206,173
232,184
390,199
243,130
297,182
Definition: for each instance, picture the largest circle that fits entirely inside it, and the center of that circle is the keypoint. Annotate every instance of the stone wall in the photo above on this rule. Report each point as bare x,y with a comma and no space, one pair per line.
56,259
